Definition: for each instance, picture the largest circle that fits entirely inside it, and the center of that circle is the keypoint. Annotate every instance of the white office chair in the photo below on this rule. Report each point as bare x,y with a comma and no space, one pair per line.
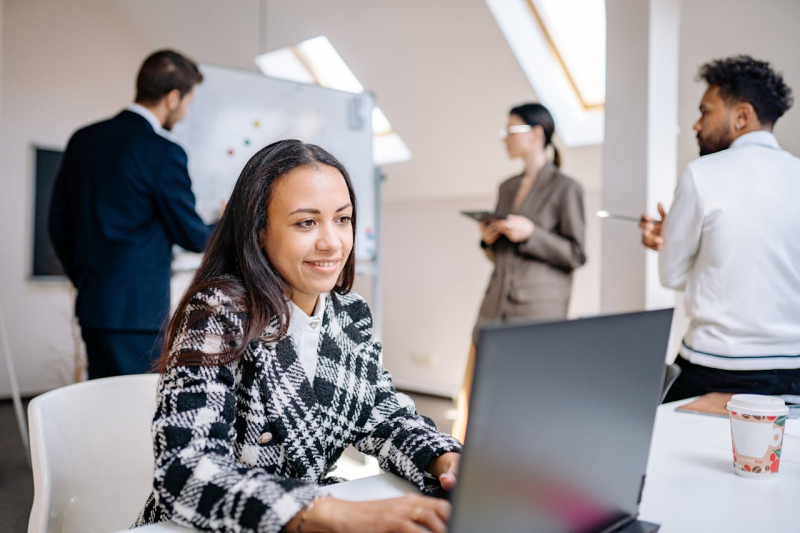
92,454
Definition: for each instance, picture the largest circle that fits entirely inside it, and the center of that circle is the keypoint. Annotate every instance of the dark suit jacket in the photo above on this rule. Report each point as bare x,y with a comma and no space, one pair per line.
533,279
245,445
121,199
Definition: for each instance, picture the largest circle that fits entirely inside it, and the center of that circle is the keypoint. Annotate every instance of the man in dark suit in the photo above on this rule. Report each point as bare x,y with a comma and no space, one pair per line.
121,199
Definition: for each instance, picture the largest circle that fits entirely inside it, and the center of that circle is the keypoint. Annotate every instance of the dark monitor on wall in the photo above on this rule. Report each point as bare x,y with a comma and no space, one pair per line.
46,163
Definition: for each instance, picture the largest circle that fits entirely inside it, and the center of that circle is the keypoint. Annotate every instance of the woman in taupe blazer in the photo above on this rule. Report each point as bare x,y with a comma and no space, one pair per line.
539,244
537,247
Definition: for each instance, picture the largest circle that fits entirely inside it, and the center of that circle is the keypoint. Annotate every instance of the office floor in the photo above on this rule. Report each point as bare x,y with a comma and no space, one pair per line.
16,481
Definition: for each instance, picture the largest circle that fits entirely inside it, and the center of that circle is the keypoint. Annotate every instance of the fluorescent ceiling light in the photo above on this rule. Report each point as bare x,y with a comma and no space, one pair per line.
389,149
316,61
327,66
380,124
283,64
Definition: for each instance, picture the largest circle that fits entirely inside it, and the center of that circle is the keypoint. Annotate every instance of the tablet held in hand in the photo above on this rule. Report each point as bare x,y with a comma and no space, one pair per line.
484,216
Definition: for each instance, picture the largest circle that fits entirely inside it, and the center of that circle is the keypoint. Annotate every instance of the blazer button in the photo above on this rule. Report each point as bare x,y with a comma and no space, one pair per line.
265,438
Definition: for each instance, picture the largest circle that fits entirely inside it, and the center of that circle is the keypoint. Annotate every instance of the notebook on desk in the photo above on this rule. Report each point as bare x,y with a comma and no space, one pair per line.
713,404
561,416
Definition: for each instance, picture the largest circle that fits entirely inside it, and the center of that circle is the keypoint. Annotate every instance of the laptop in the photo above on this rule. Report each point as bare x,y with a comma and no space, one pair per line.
560,421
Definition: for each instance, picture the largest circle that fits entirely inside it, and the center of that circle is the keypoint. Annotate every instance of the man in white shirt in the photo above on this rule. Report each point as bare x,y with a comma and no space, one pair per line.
731,240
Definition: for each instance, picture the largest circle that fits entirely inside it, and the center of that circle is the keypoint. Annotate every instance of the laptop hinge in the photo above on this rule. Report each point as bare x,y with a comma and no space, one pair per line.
621,523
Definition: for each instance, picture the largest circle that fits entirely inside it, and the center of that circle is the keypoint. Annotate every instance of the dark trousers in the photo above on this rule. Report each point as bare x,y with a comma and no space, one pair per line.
120,352
696,380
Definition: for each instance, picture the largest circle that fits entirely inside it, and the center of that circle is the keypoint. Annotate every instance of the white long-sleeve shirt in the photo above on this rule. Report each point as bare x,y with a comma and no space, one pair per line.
305,331
732,242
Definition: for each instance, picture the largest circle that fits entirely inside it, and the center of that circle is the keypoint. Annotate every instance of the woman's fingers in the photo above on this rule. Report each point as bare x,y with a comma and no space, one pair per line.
447,481
443,509
407,514
517,228
489,233
449,477
432,520
430,512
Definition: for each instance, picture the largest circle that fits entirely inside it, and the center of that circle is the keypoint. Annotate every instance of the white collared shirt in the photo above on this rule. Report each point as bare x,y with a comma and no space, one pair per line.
146,113
732,241
305,331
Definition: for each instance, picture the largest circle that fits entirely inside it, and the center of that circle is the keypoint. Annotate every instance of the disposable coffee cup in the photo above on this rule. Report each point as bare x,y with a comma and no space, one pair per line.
757,424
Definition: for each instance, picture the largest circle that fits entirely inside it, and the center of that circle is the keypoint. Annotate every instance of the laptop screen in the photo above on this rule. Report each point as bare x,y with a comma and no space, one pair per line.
560,420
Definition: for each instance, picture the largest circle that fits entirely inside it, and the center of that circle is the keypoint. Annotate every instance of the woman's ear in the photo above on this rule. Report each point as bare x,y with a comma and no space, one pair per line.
538,133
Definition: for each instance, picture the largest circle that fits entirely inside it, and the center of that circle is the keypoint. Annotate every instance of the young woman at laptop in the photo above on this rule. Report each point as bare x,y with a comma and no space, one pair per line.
271,371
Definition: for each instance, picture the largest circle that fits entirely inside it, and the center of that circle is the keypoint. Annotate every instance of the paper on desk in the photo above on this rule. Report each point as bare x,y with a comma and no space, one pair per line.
713,404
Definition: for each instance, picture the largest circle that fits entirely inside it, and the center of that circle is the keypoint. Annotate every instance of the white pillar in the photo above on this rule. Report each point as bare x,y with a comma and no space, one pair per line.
640,150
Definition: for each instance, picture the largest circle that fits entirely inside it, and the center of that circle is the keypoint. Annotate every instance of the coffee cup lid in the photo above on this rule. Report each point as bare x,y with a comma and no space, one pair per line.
757,404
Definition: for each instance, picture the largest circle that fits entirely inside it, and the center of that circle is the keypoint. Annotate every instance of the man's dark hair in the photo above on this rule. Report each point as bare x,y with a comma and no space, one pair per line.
743,79
164,71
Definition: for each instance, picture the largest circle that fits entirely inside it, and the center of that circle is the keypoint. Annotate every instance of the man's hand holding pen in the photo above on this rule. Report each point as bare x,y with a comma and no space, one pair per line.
651,229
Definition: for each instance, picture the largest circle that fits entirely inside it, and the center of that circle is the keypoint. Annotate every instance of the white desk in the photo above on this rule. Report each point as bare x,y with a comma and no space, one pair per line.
690,483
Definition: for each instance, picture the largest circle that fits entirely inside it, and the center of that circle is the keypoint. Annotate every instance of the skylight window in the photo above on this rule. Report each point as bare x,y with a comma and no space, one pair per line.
577,31
316,61
561,49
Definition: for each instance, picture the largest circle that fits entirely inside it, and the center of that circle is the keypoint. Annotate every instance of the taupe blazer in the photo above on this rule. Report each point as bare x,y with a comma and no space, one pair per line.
533,279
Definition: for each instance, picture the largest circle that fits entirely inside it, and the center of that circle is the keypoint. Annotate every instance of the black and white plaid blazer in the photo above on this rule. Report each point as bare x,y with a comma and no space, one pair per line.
244,446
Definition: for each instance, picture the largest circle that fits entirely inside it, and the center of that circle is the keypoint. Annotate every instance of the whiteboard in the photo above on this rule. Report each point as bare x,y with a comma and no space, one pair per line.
235,113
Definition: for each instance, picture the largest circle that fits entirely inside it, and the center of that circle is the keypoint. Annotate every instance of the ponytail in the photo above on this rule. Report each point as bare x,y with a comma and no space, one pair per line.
556,156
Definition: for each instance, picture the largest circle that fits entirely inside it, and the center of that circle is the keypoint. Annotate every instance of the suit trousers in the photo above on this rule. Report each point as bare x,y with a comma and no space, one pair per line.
696,380
114,352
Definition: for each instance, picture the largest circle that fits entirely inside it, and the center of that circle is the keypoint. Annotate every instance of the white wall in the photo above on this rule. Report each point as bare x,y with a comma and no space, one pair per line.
2,8
443,74
435,275
765,30
64,64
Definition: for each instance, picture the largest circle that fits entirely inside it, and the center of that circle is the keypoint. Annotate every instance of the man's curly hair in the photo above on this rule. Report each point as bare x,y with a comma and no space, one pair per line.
744,79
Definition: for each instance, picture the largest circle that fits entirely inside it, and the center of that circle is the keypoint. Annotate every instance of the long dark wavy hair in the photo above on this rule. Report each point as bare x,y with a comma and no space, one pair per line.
236,264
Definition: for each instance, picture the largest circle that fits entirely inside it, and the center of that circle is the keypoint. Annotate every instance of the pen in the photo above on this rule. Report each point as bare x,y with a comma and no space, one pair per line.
606,214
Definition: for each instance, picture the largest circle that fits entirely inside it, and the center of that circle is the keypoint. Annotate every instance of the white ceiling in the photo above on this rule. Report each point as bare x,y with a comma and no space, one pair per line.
442,72
212,31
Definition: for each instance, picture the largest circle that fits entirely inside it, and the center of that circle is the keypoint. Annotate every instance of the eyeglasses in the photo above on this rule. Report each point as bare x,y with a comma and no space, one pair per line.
511,130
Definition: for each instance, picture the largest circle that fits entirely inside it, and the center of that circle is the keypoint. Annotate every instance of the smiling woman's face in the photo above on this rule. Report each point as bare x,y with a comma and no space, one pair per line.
309,233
